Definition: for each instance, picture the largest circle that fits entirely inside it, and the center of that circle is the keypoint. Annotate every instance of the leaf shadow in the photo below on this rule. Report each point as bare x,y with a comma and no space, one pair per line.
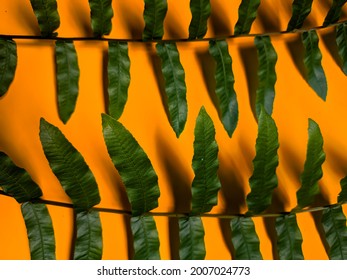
174,238
270,228
338,158
26,19
74,236
327,5
131,21
317,217
268,23
220,25
224,225
81,19
174,29
105,79
130,239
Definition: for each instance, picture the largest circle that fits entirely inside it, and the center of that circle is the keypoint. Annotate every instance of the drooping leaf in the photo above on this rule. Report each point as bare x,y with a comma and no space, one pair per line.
101,13
313,63
146,240
46,12
247,13
267,58
312,173
245,239
300,10
334,13
341,41
154,15
40,231
342,198
68,74
8,64
264,179
16,181
192,245
201,10
88,245
334,225
133,165
289,238
175,85
118,77
205,164
225,85
69,167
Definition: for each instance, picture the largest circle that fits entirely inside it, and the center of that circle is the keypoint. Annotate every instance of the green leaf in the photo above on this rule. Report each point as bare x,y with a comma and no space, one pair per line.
101,14
68,74
334,225
267,58
313,63
46,12
192,245
154,15
69,167
341,41
133,165
201,11
146,240
289,238
245,239
8,64
40,231
334,13
312,173
247,13
175,85
225,85
205,164
342,198
16,181
88,245
118,77
300,10
264,178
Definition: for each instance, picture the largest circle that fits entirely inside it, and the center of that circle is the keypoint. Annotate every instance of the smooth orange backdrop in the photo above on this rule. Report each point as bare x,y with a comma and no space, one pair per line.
33,95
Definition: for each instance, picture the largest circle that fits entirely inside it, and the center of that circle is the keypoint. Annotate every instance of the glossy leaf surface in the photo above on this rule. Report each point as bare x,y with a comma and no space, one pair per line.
341,41
101,14
334,13
247,13
8,64
154,15
300,10
201,11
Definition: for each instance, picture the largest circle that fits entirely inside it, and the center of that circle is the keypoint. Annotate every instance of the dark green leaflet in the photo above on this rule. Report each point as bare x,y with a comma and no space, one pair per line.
289,238
68,74
312,173
300,10
133,165
341,41
267,58
154,15
146,240
40,231
264,178
8,64
69,167
225,85
245,239
46,12
342,198
175,85
192,246
118,77
88,245
101,13
334,225
312,60
205,163
16,181
201,10
247,13
334,13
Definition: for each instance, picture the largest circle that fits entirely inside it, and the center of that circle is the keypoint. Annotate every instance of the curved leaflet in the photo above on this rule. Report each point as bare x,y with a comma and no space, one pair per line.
154,15
264,178
68,74
300,10
341,41
133,165
118,70
267,59
225,92
175,85
8,64
201,11
334,13
247,13
46,12
69,167
101,14
342,198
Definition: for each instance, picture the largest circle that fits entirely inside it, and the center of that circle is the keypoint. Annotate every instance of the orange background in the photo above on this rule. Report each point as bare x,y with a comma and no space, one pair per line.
32,95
